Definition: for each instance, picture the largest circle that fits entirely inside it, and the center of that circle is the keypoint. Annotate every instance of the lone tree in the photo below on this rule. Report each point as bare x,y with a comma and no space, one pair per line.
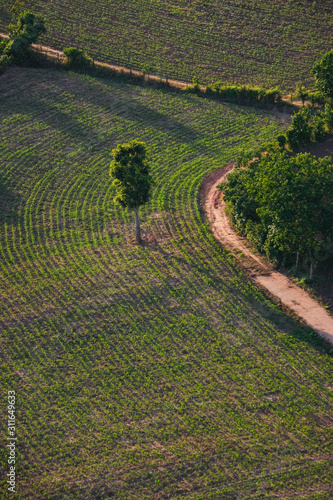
131,177
323,72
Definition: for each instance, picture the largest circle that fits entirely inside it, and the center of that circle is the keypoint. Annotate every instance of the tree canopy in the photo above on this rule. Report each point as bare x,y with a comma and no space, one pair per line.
21,35
283,203
323,72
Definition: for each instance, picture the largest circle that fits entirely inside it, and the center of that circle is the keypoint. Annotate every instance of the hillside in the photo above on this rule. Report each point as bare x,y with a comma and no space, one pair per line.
154,371
258,42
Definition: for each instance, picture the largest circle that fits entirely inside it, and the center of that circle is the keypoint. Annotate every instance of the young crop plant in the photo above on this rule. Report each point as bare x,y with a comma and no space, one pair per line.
323,72
28,28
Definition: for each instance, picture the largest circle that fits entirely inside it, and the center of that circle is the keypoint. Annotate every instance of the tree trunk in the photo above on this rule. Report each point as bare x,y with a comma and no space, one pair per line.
311,270
297,259
137,225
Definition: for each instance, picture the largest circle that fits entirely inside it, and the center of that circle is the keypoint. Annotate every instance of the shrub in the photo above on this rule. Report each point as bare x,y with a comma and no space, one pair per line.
282,140
318,129
21,35
316,98
77,59
299,132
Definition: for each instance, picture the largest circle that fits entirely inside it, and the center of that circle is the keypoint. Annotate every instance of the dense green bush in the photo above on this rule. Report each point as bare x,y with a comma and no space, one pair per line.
318,130
77,59
27,31
240,94
21,35
282,140
283,203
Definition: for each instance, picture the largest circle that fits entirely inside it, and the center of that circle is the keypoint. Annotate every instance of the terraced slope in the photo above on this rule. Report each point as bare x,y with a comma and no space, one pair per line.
153,372
255,41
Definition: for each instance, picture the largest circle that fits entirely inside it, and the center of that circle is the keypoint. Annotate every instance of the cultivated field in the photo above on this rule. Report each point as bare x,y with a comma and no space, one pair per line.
153,372
265,42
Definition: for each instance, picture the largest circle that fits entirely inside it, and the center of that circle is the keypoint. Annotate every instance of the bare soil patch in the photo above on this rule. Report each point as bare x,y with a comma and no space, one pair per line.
291,295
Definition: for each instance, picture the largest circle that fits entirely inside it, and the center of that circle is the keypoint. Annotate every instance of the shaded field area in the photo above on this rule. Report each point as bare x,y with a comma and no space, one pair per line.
266,43
154,371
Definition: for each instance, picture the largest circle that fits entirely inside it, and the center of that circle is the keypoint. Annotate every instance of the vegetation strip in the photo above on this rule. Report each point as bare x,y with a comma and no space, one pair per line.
291,295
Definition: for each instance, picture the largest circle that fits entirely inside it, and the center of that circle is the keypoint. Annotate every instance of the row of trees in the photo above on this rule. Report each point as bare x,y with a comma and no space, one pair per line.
307,127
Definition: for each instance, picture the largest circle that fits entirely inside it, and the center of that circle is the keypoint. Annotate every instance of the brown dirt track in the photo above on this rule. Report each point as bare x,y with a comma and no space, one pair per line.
295,298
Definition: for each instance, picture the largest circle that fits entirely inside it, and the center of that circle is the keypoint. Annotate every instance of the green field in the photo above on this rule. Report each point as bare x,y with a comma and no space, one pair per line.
154,371
261,42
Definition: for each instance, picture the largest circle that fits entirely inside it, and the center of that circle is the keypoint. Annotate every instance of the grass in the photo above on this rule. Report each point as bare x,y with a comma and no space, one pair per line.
154,371
264,43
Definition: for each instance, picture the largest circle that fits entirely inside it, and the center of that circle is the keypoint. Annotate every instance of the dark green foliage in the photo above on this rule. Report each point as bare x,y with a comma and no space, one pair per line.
299,132
76,58
131,177
27,31
318,131
247,95
305,127
21,35
283,203
323,72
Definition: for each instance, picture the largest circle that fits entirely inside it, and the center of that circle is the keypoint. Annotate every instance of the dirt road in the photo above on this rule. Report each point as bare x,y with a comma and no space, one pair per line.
294,297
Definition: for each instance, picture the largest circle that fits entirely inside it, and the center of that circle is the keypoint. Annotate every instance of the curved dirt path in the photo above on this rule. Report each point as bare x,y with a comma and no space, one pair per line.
291,295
